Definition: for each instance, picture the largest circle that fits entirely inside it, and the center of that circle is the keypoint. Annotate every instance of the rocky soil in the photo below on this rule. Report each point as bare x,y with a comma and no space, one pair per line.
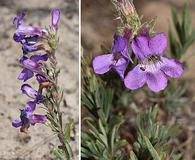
39,142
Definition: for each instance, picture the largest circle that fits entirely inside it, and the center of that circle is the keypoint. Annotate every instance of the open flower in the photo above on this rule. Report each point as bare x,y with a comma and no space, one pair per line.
152,69
31,65
31,38
55,17
30,92
118,58
26,30
27,118
31,44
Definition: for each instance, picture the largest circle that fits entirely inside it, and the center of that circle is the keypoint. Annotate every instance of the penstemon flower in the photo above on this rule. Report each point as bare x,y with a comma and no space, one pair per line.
44,66
27,118
24,31
31,65
30,92
117,60
31,62
153,69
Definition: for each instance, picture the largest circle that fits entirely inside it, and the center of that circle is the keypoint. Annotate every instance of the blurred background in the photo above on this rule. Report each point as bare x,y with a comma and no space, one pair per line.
39,142
98,27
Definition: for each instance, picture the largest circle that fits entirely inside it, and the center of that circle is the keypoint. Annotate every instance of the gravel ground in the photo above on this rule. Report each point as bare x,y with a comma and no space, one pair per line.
39,142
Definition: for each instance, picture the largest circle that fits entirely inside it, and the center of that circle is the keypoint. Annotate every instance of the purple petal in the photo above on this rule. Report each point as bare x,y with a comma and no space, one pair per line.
18,20
29,48
102,63
120,67
36,118
40,78
120,45
135,79
156,81
29,91
30,106
140,46
28,30
38,58
25,74
158,43
18,37
16,123
29,64
55,15
172,67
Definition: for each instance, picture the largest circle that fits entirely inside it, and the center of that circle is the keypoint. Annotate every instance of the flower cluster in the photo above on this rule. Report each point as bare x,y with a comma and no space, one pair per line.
153,69
37,45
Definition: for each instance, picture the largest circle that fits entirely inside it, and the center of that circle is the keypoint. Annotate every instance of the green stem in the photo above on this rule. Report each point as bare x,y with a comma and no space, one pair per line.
59,113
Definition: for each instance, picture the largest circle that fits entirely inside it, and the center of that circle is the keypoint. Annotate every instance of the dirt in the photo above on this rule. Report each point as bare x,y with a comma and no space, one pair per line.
40,141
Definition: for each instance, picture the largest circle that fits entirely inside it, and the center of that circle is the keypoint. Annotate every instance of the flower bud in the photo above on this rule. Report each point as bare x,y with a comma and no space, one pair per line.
126,7
55,17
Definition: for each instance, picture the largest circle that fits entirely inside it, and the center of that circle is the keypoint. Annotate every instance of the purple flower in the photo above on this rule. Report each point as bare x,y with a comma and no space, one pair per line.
31,65
28,36
152,69
25,74
29,48
25,30
55,17
29,44
39,58
118,58
29,91
40,78
27,118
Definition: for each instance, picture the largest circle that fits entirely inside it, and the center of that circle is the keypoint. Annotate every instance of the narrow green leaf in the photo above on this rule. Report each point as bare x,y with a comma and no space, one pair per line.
102,129
133,156
151,149
69,153
67,132
58,153
113,137
186,22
